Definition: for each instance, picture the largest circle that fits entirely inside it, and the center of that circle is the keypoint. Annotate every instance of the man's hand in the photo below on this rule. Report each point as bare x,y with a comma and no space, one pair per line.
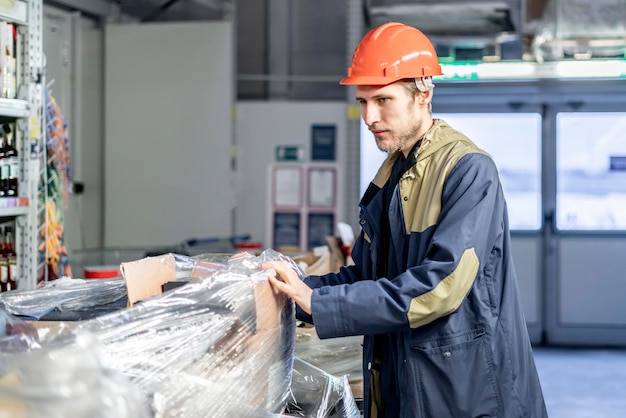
288,282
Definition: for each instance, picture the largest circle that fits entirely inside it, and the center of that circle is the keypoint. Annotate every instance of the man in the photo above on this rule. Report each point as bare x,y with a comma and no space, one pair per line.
433,289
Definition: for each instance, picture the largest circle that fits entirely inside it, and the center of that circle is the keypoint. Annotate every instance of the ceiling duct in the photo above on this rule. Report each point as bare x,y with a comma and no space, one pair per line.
581,29
459,29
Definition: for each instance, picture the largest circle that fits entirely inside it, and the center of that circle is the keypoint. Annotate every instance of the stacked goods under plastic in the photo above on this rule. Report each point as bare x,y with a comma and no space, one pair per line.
61,380
336,356
319,394
64,295
221,345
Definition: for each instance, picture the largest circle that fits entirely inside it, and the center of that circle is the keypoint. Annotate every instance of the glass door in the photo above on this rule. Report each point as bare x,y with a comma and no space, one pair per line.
589,279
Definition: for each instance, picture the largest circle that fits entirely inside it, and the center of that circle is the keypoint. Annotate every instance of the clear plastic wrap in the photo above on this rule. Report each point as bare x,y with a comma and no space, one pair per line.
337,356
79,295
221,346
65,380
63,294
318,394
16,335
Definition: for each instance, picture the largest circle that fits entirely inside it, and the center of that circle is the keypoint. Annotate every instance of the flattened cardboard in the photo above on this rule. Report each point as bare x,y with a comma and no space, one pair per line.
268,306
145,277
204,269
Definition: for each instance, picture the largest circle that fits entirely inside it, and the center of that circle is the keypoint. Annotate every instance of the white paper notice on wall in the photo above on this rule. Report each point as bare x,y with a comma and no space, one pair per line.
321,187
287,185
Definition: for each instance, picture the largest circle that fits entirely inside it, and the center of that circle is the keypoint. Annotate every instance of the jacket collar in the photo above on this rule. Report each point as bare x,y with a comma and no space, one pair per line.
438,136
434,139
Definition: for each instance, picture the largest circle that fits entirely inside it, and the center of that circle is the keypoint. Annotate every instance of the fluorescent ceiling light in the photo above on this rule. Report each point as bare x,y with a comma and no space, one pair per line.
532,70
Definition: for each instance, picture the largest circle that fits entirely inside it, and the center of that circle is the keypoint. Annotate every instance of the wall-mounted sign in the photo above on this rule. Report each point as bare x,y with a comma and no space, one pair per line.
319,226
618,163
321,187
287,186
289,153
286,231
323,142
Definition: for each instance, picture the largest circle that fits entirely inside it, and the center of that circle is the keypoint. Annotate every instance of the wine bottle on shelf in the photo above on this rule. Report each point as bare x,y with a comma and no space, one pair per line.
9,38
4,264
4,169
12,161
11,257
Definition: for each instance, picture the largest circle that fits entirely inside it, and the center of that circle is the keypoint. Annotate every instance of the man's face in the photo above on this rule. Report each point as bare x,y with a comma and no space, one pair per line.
391,114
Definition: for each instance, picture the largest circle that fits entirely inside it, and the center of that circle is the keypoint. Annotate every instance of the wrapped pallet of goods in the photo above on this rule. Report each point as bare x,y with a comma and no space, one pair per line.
61,380
219,346
340,356
200,336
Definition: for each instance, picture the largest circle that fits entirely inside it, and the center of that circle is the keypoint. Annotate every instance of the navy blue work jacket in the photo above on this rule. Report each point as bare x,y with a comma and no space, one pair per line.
455,339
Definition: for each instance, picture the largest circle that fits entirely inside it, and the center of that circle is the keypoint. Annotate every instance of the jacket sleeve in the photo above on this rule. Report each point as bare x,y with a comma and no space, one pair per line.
435,286
346,275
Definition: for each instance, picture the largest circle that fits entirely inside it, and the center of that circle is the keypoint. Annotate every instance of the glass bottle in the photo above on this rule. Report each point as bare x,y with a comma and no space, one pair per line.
10,61
4,169
11,257
12,162
4,264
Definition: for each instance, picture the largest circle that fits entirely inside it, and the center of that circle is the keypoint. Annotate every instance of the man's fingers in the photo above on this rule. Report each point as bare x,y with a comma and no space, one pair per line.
277,284
274,280
282,268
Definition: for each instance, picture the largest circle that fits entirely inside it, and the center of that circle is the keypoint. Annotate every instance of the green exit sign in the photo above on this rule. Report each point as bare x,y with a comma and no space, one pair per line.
289,153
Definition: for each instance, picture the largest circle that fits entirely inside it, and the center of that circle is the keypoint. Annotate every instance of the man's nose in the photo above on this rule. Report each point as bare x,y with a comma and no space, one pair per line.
370,115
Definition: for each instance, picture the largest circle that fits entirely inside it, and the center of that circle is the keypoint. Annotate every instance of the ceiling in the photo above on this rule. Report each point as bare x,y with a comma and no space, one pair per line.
289,49
448,17
434,16
149,10
291,29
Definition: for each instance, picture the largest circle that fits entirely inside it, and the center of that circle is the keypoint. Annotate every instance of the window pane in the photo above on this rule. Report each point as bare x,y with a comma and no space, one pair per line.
591,171
514,142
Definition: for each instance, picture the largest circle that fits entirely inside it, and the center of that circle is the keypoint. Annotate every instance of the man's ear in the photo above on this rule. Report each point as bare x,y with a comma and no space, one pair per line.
424,97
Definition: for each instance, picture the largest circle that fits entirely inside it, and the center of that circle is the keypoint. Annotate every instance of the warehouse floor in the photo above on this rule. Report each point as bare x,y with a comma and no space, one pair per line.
583,382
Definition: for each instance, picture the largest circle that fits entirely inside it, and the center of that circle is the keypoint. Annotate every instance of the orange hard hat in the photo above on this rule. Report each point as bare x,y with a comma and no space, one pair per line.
391,52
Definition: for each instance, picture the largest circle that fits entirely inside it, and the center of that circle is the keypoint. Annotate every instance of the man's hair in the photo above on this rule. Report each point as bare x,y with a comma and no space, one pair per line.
412,90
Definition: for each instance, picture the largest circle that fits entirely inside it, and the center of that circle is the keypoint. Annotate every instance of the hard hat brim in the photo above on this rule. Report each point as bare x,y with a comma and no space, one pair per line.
368,81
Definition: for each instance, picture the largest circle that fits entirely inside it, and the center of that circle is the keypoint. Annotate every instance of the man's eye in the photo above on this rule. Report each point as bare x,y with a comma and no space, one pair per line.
383,100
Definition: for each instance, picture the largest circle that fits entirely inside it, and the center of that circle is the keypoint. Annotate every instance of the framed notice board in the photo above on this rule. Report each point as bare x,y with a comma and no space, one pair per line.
322,187
302,203
287,186
323,142
319,226
287,229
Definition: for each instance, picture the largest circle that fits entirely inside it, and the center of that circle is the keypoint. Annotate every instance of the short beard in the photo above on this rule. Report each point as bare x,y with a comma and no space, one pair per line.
399,143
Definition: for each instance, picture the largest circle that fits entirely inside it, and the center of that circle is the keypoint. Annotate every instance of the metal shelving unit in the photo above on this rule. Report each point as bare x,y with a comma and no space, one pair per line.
27,112
14,108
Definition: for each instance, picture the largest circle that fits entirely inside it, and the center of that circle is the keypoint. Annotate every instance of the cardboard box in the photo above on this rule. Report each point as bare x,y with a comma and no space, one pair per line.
144,278
270,340
323,260
247,363
313,265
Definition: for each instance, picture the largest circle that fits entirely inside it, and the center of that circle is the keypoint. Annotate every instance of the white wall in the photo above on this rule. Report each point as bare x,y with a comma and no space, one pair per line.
260,127
90,204
168,132
74,68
